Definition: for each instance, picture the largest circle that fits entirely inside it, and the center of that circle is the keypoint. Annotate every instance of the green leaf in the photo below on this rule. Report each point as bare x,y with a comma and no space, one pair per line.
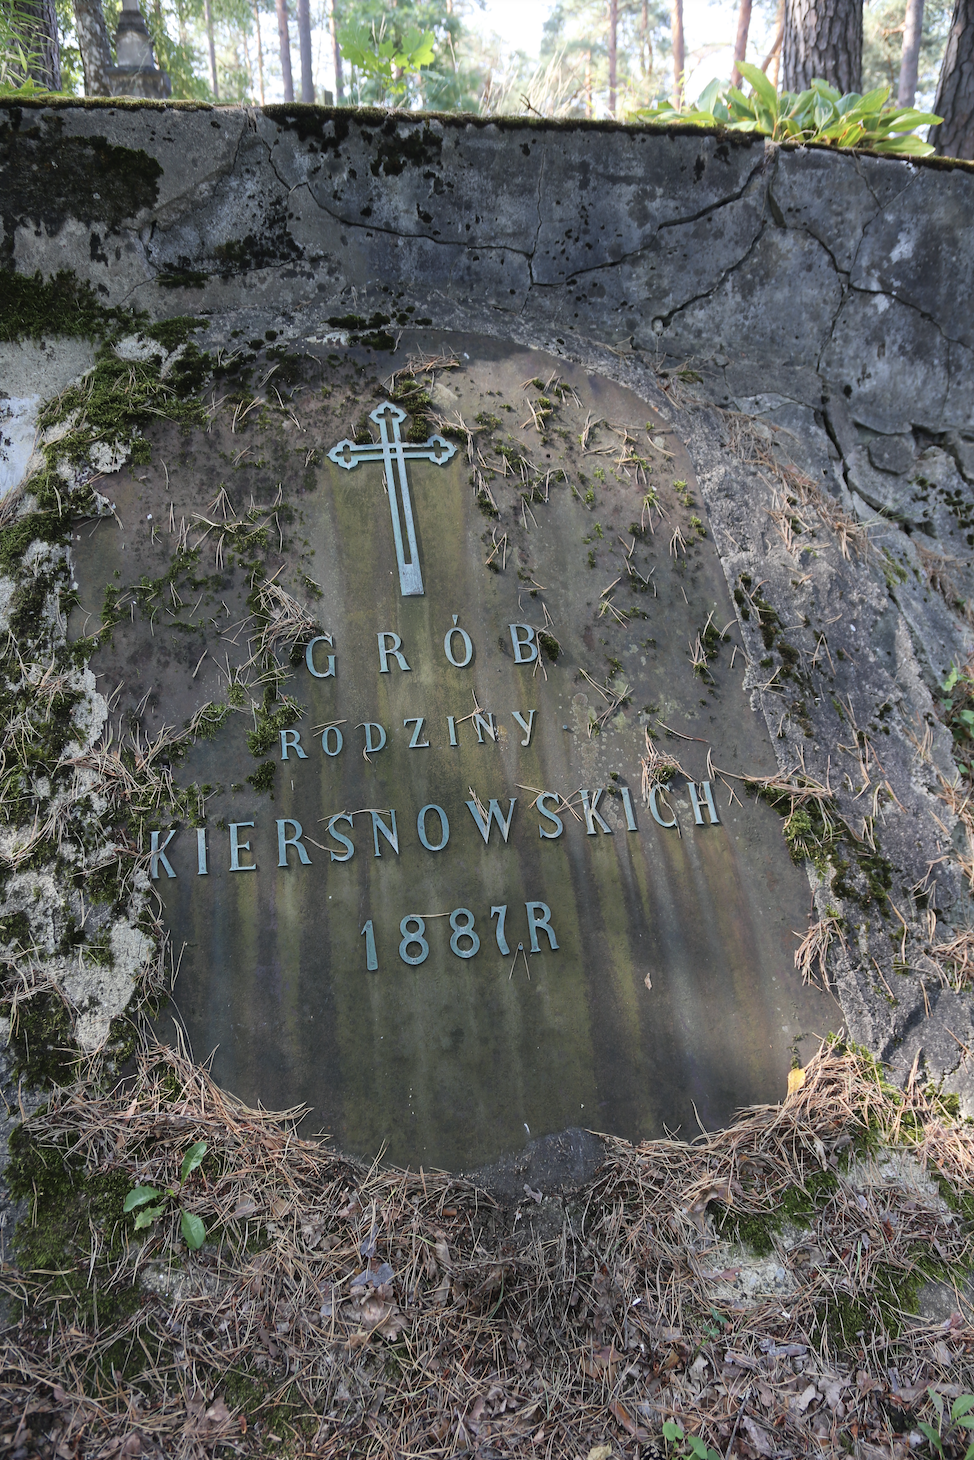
931,1435
138,1196
760,84
672,1431
963,1404
148,1215
193,1230
191,1160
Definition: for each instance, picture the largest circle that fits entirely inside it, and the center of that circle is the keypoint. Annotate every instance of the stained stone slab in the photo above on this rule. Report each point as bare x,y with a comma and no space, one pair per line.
468,857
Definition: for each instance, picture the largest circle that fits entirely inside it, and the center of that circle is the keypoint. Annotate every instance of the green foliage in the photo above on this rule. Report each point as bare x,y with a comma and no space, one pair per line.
140,1197
960,1421
957,712
819,114
387,58
882,43
575,44
674,1434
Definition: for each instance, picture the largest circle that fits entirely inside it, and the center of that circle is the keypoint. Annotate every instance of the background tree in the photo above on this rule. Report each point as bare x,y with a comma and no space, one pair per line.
884,26
679,53
576,50
93,45
284,40
955,91
822,38
35,53
740,44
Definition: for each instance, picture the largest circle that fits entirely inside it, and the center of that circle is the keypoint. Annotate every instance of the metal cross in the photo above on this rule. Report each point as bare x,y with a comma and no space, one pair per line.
393,452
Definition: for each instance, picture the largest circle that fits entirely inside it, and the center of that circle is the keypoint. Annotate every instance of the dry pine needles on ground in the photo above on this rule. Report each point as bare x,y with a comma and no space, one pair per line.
339,1310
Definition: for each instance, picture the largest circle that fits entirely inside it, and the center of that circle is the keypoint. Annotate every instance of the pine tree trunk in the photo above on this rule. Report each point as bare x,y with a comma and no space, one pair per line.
910,59
613,44
94,45
740,45
333,31
679,56
304,41
823,38
260,52
34,22
208,18
955,91
285,40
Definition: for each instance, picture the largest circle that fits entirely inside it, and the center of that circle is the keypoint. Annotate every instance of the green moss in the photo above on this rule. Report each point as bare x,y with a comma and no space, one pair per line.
44,1050
550,646
269,726
263,778
17,538
35,308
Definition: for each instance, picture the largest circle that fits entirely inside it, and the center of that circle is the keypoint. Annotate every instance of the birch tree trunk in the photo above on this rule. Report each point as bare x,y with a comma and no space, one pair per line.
823,38
955,90
304,41
94,45
910,59
612,48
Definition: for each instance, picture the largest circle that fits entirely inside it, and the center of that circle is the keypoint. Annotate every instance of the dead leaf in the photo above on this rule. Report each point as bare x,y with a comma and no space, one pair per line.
534,1195
796,1079
218,1414
599,1452
759,1438
442,1251
648,981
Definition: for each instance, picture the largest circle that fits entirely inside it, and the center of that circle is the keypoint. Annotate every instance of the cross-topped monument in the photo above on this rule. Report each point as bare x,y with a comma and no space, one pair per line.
393,452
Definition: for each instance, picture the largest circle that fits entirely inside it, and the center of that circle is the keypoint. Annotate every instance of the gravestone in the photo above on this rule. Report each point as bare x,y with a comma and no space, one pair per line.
467,853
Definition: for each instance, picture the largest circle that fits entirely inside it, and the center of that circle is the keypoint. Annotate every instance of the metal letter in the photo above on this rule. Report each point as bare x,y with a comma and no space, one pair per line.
539,920
393,452
340,837
484,722
591,814
444,828
556,821
309,658
415,743
526,648
391,834
157,854
236,847
371,961
453,730
654,806
283,842
201,868
525,724
393,650
627,803
493,814
500,913
368,726
467,646
291,740
339,739
708,796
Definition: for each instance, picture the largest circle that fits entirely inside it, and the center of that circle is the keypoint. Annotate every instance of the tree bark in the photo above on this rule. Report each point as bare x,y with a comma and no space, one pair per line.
955,90
304,41
910,59
260,52
208,18
740,45
94,45
34,22
823,38
336,52
612,48
679,53
285,41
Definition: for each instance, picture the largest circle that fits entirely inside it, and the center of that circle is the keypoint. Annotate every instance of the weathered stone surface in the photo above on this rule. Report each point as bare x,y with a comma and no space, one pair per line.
820,304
